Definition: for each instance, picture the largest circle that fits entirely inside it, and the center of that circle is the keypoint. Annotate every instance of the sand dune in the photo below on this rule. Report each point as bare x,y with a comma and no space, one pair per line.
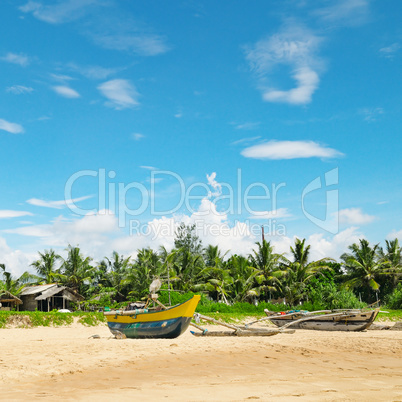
53,363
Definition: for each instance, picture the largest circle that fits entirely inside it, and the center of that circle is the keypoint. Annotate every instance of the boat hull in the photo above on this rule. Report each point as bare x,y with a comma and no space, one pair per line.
169,323
353,322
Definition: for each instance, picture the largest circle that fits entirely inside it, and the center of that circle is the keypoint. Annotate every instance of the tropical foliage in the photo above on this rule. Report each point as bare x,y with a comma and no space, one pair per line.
365,273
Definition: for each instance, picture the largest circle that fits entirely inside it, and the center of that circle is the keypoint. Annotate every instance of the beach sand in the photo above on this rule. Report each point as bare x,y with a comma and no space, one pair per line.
66,363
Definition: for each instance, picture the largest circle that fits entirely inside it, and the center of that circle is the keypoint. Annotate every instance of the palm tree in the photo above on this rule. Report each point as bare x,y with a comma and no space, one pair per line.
364,266
168,261
268,270
186,268
76,270
46,266
298,271
216,280
117,270
142,271
244,278
13,285
393,260
212,254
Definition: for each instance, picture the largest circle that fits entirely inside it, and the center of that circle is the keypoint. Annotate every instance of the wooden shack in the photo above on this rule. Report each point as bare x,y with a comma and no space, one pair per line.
8,301
48,297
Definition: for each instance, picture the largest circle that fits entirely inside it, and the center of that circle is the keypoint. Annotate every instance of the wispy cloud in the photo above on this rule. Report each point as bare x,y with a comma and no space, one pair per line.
56,204
354,216
275,214
149,167
66,92
121,94
246,141
294,46
12,128
289,150
60,12
137,136
214,184
14,58
390,51
19,89
93,72
61,77
371,114
346,12
114,29
394,235
247,125
7,213
142,44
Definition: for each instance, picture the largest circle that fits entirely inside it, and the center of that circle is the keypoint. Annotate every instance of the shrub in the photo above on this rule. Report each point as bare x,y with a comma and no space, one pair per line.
325,295
394,300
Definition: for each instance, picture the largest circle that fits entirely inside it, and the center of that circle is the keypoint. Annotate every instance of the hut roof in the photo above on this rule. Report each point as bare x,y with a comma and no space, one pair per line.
6,296
32,290
50,292
45,291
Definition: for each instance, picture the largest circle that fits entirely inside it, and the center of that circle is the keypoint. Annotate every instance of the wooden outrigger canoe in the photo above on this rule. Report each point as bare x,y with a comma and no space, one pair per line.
325,320
150,323
236,329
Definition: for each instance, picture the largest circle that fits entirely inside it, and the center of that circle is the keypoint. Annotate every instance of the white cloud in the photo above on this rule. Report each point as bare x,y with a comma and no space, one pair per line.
246,141
93,72
137,136
307,81
334,246
6,213
60,12
56,204
143,44
16,261
294,46
66,92
149,167
214,184
371,114
12,128
114,29
289,150
120,93
19,89
346,12
61,77
395,235
247,126
275,214
391,49
354,216
14,58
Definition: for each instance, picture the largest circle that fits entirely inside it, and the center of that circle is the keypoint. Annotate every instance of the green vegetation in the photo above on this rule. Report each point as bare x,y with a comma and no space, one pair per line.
28,319
247,284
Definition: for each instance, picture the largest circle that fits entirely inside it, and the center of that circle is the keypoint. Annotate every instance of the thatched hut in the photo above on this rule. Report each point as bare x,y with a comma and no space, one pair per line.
48,297
8,301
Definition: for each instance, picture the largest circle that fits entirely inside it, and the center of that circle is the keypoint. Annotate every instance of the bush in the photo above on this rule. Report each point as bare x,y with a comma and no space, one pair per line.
394,300
325,295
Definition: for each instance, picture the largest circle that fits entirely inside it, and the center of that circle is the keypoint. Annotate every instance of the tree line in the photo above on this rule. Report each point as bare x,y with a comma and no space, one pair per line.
364,274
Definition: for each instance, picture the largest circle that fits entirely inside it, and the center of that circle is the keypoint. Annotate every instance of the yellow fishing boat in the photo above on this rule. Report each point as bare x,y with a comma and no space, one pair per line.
158,322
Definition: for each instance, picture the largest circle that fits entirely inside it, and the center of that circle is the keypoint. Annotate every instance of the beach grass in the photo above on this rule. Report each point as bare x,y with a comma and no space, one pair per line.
28,319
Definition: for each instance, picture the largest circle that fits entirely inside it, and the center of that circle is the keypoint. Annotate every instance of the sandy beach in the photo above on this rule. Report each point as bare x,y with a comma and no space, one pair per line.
68,363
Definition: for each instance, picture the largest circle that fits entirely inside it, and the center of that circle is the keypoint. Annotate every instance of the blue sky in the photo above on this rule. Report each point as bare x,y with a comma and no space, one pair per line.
120,119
